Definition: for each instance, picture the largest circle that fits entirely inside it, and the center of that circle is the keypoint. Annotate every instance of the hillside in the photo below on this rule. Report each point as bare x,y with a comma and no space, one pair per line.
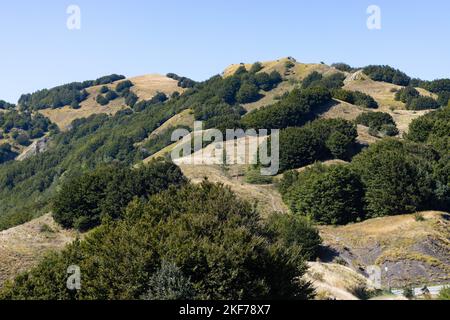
415,252
87,166
24,246
145,87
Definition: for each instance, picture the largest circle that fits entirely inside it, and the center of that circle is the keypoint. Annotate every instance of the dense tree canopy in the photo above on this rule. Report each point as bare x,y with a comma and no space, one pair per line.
328,195
214,240
83,201
387,74
293,110
319,140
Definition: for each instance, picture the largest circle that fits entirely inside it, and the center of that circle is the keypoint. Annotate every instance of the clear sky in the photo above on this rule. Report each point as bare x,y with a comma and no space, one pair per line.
199,38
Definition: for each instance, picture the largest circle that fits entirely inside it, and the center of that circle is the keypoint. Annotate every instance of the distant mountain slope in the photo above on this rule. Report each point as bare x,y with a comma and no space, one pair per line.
145,87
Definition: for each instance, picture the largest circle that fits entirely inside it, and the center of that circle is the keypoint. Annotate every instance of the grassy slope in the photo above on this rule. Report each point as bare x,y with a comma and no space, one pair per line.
415,252
23,246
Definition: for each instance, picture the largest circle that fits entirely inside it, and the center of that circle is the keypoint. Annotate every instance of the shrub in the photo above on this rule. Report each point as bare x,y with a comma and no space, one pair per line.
127,84
83,201
387,74
422,103
253,176
389,130
293,110
332,195
169,283
111,95
355,97
104,90
406,94
322,139
396,176
247,93
444,294
342,67
215,240
6,153
375,120
256,67
101,100
295,230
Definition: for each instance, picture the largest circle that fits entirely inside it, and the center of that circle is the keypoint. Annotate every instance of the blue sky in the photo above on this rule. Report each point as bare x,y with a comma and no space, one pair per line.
199,38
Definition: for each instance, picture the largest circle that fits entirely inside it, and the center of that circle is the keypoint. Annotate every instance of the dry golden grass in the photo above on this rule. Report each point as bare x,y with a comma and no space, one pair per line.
334,281
400,240
22,247
266,197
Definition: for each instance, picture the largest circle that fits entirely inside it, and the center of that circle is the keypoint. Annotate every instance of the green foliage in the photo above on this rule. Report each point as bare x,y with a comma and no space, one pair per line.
387,74
397,177
315,79
297,231
6,106
444,294
321,139
101,100
63,95
355,97
248,92
432,129
158,142
406,94
215,240
83,201
6,153
256,67
27,186
436,86
444,98
24,123
253,176
389,130
104,89
169,283
343,67
328,195
422,103
183,82
375,120
293,110
124,85
111,95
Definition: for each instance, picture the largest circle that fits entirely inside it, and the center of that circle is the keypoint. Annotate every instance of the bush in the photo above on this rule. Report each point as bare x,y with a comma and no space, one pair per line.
83,201
322,139
356,98
444,294
124,85
406,94
387,74
342,67
253,176
293,110
256,67
332,195
422,103
397,177
389,130
104,90
214,239
6,153
101,100
247,93
375,120
111,95
295,230
169,283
